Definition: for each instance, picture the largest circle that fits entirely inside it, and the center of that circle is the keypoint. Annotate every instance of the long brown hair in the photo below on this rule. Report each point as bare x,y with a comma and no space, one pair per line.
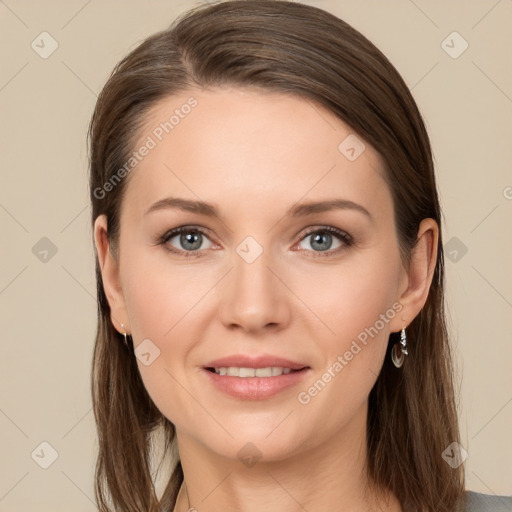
301,50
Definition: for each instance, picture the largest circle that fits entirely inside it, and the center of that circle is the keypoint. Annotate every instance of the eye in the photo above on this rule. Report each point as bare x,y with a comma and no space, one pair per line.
186,240
321,240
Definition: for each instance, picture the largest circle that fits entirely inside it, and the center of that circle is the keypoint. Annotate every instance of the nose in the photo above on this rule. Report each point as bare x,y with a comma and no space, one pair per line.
253,297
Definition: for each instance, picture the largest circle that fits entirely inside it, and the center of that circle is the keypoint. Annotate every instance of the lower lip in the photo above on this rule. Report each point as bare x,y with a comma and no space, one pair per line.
255,388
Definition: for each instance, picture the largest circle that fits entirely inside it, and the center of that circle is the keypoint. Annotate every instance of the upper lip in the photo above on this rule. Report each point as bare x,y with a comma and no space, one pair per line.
262,361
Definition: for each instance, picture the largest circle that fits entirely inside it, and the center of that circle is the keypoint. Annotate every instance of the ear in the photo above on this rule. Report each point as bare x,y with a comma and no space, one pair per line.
415,282
110,276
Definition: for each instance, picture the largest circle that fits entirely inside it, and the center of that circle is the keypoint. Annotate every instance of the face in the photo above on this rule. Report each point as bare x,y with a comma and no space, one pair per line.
258,276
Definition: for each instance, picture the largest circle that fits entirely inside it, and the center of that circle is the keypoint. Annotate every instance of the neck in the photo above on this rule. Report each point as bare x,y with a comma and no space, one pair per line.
328,476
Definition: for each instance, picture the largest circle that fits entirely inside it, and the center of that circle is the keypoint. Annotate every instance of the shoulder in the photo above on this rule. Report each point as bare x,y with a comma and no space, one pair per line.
477,502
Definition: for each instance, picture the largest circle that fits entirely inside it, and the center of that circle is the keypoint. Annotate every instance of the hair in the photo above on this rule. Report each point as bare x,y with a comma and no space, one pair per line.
292,48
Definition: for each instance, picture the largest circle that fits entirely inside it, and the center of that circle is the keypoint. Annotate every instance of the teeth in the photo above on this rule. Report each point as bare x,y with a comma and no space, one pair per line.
270,371
246,372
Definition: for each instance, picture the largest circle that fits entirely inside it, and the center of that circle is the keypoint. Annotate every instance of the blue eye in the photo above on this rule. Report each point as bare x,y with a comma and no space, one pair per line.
189,239
321,240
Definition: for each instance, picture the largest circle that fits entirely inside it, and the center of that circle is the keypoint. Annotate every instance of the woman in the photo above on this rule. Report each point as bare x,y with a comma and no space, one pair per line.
269,250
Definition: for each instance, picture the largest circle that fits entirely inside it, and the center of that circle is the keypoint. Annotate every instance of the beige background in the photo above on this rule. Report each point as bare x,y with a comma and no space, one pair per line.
48,308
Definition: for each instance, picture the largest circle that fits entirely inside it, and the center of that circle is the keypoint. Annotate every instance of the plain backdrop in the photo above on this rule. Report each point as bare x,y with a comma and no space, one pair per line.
47,283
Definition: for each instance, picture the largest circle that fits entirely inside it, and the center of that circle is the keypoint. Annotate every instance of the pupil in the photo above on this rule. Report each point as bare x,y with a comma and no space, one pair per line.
322,238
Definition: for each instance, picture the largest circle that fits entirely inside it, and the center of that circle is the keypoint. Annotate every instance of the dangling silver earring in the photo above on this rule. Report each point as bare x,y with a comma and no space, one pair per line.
399,350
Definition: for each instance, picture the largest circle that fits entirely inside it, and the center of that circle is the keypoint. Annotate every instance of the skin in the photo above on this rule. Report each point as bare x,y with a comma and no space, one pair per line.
254,155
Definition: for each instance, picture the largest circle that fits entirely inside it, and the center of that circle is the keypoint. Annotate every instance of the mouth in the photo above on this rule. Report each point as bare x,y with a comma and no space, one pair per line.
249,383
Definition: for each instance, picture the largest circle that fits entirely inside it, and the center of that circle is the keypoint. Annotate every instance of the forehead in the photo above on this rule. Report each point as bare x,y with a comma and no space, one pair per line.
248,146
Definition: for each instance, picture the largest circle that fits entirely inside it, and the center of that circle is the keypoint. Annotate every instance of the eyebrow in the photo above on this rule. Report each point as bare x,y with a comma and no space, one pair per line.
297,210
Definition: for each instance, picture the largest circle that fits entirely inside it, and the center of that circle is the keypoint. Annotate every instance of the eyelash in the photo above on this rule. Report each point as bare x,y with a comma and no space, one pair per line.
342,236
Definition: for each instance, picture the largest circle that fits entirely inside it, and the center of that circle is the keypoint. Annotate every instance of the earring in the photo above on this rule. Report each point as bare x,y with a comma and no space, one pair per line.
399,350
124,334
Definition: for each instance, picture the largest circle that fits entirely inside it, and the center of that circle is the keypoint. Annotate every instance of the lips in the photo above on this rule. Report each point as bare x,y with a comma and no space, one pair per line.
223,374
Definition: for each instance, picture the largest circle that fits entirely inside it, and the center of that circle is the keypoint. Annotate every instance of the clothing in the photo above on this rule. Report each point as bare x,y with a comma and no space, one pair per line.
487,503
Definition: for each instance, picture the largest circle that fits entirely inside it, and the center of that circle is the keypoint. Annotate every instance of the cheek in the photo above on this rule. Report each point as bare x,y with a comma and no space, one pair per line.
357,306
349,298
161,296
164,305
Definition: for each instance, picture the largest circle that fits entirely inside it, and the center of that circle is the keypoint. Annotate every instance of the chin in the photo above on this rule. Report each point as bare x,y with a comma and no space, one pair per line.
255,444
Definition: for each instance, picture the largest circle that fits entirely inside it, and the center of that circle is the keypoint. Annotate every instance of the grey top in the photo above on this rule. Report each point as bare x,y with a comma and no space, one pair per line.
488,503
